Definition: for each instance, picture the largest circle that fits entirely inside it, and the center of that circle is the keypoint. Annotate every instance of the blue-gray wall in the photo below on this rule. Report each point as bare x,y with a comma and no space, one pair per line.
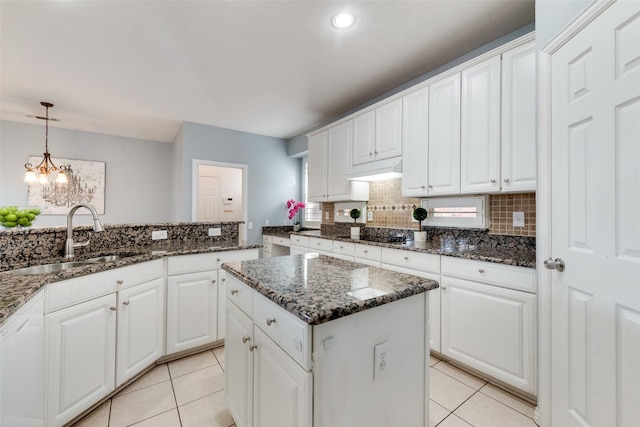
273,177
298,144
553,15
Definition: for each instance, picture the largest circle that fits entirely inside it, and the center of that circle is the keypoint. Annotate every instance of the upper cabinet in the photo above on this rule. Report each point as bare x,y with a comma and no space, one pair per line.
480,128
329,162
415,137
518,118
364,127
377,134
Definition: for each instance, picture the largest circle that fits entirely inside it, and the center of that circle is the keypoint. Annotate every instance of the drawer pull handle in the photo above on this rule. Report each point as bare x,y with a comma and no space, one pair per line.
252,347
270,320
245,339
481,270
406,258
125,302
119,281
234,291
112,308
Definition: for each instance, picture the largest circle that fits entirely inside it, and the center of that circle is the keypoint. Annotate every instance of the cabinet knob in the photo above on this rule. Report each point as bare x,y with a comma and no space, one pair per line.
444,288
234,291
366,252
270,320
422,186
481,270
119,281
493,181
370,153
341,247
245,339
217,259
430,186
506,180
213,281
223,280
375,152
252,347
406,258
125,302
112,308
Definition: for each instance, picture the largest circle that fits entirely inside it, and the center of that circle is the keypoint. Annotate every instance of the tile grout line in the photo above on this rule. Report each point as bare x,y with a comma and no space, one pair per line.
175,399
504,404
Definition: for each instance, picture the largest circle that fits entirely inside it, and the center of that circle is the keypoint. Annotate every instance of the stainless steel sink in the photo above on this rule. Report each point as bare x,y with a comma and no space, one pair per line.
50,268
106,258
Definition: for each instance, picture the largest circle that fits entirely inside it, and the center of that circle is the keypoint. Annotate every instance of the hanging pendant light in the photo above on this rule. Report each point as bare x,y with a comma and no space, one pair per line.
46,167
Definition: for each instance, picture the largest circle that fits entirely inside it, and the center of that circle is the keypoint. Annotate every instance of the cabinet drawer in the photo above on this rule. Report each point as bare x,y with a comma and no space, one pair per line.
299,240
240,294
282,241
368,252
343,248
190,263
321,245
289,332
507,276
232,256
267,240
413,260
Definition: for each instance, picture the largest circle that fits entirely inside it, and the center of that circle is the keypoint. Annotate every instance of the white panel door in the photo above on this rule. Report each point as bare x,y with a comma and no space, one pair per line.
415,139
518,142
209,198
140,328
318,167
595,222
339,161
363,138
444,137
192,310
282,395
238,356
388,130
480,128
80,357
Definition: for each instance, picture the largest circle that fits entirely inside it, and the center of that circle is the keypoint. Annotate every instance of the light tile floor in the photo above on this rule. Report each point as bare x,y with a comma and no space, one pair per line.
190,393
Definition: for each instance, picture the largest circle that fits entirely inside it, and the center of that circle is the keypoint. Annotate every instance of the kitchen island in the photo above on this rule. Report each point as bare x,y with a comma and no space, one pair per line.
318,341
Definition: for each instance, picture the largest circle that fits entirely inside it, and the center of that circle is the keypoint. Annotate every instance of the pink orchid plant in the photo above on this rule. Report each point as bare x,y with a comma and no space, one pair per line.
293,207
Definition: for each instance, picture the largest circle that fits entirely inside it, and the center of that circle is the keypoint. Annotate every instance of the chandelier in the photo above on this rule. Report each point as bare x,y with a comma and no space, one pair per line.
46,167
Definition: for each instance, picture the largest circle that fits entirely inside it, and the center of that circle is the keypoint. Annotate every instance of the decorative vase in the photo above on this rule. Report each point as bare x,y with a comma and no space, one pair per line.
419,236
355,233
296,227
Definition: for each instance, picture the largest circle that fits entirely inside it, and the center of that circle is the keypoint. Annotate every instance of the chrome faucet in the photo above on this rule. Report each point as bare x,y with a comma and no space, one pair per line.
97,226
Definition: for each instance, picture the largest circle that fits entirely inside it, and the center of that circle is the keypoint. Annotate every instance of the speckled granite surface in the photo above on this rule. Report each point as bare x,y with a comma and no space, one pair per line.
318,288
468,244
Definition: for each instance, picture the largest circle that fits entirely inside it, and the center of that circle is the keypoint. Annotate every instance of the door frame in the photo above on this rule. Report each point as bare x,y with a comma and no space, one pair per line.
544,230
195,164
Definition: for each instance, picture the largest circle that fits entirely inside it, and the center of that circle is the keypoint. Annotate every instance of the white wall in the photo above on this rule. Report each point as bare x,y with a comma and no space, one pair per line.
138,172
230,187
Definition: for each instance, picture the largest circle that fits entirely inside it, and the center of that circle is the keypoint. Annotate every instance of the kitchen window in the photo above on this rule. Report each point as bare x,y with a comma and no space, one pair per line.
460,212
312,217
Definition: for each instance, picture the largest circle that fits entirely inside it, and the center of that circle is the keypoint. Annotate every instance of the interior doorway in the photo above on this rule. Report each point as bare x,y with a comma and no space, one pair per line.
219,193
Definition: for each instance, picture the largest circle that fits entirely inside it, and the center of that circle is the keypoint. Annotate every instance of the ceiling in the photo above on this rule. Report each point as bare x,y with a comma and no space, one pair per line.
141,68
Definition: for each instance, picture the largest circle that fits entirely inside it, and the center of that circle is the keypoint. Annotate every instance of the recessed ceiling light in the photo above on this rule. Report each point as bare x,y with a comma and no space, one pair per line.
343,20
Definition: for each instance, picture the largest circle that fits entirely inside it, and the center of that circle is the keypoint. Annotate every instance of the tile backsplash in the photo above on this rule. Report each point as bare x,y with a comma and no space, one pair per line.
391,210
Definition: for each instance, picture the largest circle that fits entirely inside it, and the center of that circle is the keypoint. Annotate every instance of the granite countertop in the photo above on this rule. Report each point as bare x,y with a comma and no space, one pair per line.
318,288
17,289
449,247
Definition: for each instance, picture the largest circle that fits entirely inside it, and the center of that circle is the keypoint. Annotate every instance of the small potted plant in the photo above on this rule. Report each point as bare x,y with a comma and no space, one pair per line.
355,230
293,207
419,214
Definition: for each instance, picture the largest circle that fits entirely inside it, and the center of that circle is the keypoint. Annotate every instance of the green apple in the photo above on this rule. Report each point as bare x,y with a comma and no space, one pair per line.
11,217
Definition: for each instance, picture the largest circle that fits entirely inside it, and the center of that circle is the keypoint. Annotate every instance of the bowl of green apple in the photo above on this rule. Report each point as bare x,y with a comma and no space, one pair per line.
18,216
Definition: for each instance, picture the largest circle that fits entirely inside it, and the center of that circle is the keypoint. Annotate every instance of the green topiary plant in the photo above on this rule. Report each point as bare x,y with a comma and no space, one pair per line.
420,214
355,214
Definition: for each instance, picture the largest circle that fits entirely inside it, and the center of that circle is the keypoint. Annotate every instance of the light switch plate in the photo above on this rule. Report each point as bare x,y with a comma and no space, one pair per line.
266,222
158,234
217,231
518,219
369,215
380,360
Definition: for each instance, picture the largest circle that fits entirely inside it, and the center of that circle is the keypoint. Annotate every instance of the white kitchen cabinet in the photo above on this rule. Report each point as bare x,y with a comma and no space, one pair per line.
239,365
266,246
140,328
444,137
364,128
415,138
518,160
81,357
282,389
480,127
489,328
388,130
192,310
329,162
222,291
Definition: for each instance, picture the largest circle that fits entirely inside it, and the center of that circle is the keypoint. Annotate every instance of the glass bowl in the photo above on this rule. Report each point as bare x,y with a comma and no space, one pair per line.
19,217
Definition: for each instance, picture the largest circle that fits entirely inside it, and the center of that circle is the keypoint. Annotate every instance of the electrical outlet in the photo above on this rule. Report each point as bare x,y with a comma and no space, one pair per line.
266,222
217,231
518,219
369,215
158,234
326,216
250,226
380,360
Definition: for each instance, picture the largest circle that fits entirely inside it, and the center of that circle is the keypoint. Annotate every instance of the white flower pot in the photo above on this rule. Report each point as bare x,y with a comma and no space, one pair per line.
419,236
355,233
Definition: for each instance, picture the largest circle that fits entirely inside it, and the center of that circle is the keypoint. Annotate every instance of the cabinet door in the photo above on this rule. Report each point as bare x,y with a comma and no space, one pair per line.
490,329
318,167
339,161
192,310
222,303
363,138
519,118
80,357
415,137
140,328
444,136
388,130
239,365
282,389
480,128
